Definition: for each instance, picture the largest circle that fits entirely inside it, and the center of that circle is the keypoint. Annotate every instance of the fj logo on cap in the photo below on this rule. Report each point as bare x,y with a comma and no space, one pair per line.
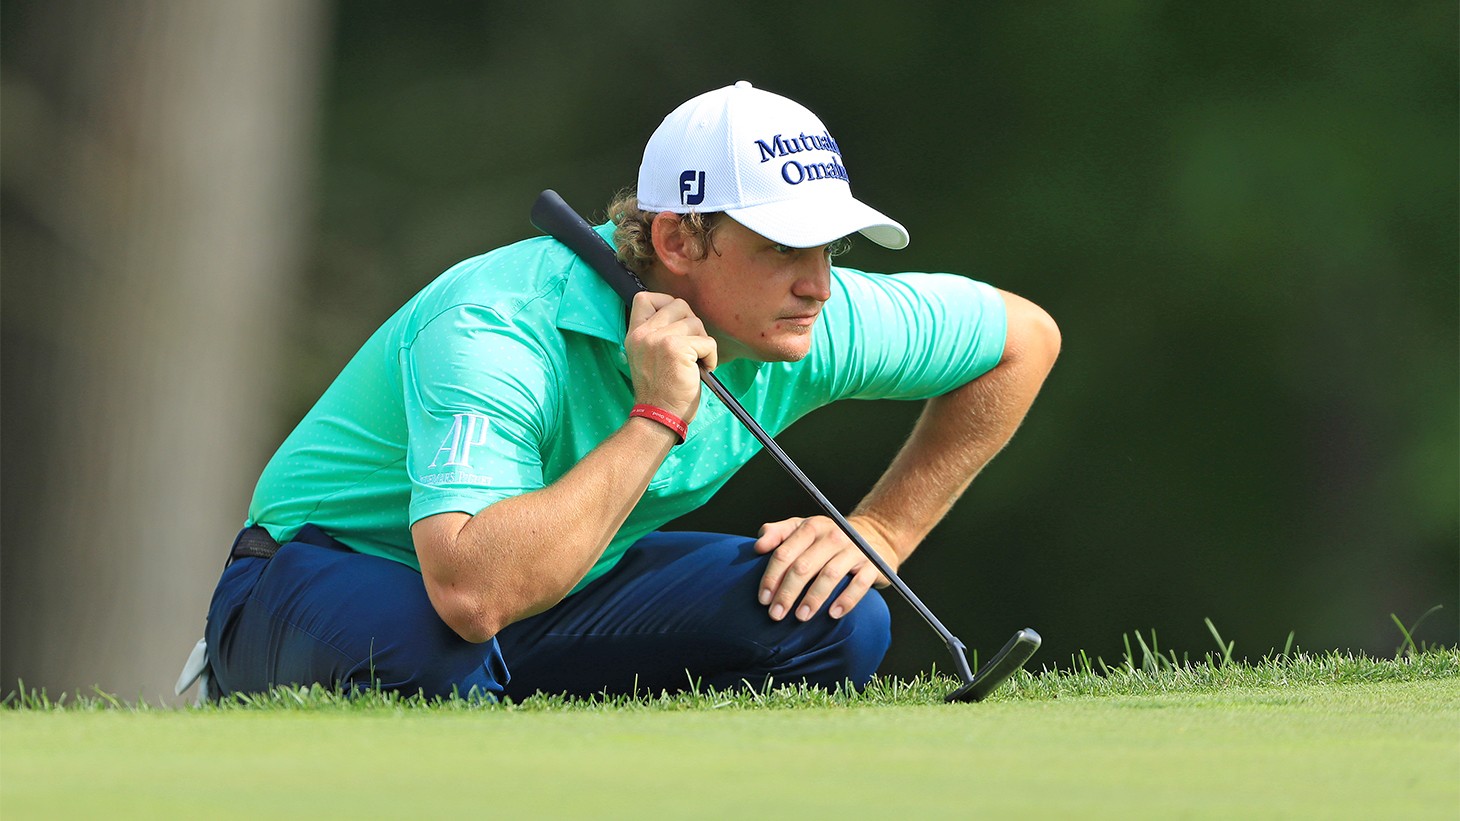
692,188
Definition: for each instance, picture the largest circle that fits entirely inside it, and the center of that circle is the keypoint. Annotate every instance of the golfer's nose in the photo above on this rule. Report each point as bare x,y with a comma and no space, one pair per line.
815,281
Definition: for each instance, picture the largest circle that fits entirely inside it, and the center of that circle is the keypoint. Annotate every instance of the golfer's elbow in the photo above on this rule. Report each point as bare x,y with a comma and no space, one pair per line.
475,631
477,615
1032,339
468,615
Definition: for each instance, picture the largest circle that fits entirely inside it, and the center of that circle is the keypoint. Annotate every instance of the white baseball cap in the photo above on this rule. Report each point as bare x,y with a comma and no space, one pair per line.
766,161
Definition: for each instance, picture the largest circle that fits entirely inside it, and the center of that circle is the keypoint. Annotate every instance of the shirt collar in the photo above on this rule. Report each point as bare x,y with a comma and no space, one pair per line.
589,305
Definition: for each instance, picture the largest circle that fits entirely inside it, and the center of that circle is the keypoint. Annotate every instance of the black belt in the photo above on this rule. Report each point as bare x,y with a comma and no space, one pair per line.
253,543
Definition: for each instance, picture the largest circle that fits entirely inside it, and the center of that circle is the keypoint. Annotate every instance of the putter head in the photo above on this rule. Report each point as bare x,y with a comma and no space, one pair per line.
1005,663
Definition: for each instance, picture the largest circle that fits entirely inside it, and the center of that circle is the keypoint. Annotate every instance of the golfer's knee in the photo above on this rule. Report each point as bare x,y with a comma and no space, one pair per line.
862,638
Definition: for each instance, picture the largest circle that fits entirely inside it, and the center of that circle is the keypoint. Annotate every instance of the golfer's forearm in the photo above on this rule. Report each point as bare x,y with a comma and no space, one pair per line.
522,555
960,432
949,446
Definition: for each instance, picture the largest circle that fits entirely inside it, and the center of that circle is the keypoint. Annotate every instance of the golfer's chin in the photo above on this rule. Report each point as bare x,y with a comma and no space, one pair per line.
770,348
784,347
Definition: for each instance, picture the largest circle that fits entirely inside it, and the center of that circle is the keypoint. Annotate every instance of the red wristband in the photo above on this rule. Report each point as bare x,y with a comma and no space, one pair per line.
663,417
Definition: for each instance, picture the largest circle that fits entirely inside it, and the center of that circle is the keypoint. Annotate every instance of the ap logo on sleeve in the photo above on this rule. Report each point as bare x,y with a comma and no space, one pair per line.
467,432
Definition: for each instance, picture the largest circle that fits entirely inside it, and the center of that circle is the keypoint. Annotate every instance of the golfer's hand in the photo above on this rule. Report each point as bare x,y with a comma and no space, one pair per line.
665,345
813,556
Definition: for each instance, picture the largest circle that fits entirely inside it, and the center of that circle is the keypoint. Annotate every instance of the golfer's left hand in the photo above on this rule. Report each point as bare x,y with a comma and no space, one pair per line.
814,555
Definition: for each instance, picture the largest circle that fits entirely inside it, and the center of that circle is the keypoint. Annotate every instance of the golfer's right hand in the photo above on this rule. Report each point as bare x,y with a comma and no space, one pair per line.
665,345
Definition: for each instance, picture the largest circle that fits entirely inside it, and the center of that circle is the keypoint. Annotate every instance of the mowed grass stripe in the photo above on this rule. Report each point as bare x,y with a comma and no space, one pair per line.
1388,749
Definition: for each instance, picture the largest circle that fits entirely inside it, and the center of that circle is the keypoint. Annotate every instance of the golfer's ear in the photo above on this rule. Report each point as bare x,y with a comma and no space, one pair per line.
671,246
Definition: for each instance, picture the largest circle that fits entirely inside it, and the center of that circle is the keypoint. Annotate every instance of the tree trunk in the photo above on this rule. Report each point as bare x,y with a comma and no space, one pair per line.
157,155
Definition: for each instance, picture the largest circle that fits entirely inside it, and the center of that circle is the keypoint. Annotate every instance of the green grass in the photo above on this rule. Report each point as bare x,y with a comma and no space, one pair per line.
1330,735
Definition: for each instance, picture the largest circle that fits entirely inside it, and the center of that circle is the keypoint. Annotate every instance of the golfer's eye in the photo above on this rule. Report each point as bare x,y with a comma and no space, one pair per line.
782,249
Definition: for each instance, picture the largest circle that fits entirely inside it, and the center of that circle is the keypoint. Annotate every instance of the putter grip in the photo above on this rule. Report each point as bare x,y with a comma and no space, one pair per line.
554,217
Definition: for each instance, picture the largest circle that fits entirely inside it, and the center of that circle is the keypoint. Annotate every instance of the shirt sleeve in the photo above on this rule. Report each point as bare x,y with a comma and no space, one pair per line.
479,396
910,336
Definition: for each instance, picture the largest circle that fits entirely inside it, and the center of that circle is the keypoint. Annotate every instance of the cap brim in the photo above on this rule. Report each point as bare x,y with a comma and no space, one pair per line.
807,223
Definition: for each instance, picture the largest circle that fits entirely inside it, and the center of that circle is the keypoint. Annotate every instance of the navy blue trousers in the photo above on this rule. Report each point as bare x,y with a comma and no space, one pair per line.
678,610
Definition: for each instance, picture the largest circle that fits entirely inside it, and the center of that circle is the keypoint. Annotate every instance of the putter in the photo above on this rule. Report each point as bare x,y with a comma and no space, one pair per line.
554,217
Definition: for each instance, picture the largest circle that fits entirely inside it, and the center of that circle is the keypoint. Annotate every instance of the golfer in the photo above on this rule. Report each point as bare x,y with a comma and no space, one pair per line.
474,504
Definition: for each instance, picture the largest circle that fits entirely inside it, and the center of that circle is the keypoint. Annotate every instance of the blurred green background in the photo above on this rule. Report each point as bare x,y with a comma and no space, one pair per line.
1242,215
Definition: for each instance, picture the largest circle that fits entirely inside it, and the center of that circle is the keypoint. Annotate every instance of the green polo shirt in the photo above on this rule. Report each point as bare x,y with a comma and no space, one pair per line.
505,371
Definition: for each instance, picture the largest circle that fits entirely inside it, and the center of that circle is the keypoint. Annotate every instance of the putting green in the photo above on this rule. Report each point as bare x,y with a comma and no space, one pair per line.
1383,750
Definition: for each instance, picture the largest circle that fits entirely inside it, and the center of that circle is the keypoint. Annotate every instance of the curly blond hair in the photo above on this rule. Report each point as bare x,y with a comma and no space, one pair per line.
634,237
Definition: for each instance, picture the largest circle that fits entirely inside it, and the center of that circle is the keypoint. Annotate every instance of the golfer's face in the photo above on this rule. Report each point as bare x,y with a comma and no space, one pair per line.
757,298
